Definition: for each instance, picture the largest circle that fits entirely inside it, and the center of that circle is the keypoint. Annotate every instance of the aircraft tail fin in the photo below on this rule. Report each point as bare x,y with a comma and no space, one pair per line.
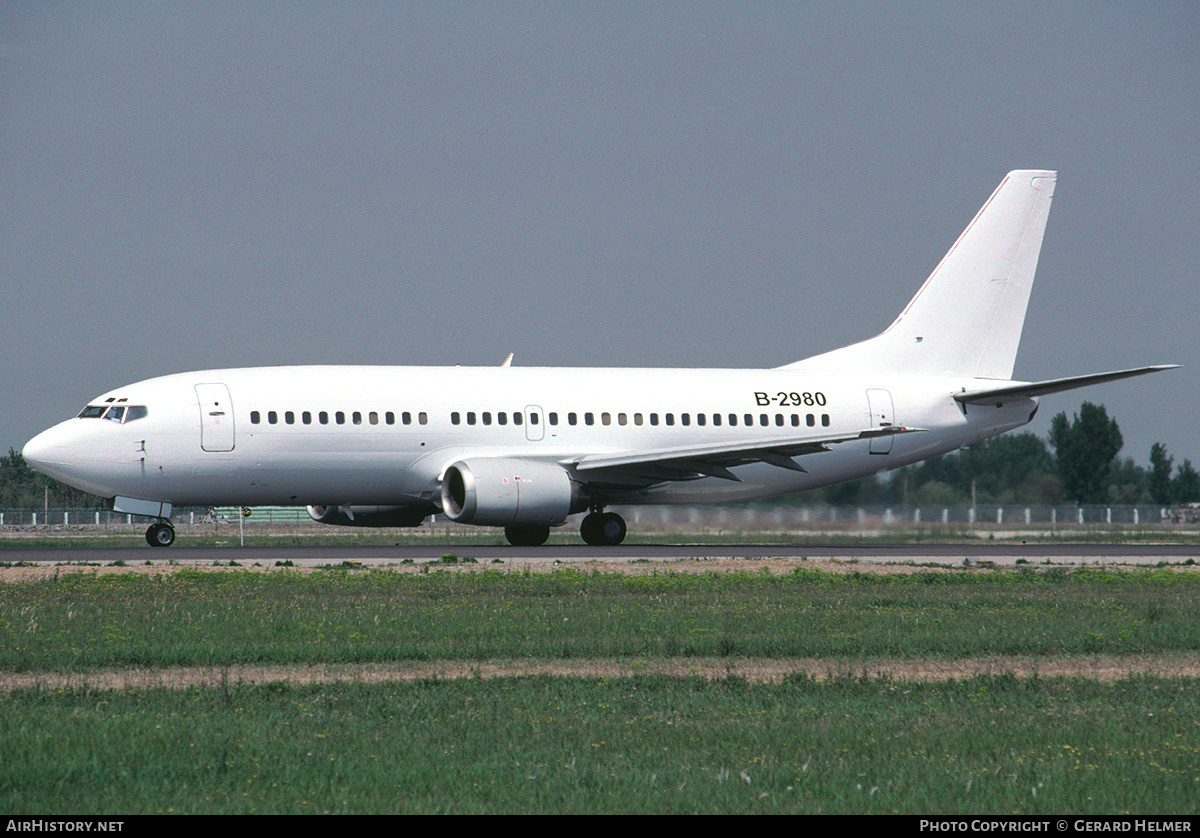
966,319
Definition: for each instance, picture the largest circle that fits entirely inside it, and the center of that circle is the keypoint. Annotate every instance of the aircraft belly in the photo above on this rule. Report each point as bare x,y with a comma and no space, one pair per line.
363,477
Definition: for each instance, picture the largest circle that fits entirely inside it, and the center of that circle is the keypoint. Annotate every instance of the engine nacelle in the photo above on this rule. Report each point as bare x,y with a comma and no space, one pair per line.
498,492
370,516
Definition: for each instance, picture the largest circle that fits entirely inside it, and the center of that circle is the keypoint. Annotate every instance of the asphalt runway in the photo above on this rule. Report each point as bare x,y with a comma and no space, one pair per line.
1002,553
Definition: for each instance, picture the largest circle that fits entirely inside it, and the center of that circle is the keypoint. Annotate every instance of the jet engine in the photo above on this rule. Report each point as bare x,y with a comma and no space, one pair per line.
370,516
499,492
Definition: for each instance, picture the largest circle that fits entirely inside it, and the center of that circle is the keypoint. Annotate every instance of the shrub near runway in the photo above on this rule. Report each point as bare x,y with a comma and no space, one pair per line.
81,621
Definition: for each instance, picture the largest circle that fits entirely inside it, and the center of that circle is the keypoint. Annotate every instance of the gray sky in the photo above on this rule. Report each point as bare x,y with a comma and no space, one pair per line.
199,185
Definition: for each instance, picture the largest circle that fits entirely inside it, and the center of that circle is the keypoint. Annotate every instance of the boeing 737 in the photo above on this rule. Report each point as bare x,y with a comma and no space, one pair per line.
525,448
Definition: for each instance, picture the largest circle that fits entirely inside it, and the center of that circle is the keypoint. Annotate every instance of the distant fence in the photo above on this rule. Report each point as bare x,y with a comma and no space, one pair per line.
758,517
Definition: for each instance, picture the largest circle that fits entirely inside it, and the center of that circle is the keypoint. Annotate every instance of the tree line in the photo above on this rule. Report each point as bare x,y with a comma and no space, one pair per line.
23,488
1078,463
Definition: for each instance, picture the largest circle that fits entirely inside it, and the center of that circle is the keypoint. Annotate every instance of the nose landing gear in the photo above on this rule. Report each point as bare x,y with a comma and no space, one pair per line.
603,529
160,534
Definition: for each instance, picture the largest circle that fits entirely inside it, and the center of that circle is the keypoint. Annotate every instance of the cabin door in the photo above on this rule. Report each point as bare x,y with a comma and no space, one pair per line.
535,423
216,417
882,416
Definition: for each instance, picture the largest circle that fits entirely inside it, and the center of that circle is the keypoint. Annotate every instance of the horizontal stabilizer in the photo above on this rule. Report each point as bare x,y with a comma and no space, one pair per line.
1057,385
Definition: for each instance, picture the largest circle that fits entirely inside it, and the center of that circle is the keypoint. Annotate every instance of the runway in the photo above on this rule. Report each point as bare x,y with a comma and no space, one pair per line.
1003,553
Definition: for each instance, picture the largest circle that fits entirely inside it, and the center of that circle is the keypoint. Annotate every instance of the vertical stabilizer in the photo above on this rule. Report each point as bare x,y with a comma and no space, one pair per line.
966,319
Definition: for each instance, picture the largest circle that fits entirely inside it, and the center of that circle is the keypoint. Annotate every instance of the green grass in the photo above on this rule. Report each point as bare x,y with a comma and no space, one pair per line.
985,745
988,745
81,621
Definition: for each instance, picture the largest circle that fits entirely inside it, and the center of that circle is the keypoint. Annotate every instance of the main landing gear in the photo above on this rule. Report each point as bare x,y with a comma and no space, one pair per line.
600,529
603,529
526,535
160,534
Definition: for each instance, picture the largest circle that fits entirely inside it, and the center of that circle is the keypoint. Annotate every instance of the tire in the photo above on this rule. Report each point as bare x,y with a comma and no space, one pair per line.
527,535
603,529
589,530
160,535
612,528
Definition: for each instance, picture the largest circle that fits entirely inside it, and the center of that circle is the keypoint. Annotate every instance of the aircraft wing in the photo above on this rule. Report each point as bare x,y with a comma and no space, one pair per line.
1057,385
715,459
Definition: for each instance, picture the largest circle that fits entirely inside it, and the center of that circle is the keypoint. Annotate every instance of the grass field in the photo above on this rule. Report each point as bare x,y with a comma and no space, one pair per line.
981,744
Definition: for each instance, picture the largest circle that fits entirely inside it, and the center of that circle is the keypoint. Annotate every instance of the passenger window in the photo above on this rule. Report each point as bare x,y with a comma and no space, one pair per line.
637,418
357,418
323,417
811,420
653,418
795,420
272,417
306,417
553,417
502,418
763,419
700,419
605,419
717,419
390,418
825,419
685,419
340,418
533,418
487,417
373,417
455,418
406,418
517,418
749,419
589,419
423,418
670,418
289,417
572,419
254,417
470,417
733,420
779,419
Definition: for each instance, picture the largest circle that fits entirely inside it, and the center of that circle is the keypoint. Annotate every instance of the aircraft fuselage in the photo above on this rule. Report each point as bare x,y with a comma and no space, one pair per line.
385,435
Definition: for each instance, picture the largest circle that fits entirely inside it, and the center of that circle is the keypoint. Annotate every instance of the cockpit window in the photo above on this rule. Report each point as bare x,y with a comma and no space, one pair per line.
119,413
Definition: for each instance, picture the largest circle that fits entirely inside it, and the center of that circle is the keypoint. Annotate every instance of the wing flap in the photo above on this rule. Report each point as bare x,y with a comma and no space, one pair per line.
715,459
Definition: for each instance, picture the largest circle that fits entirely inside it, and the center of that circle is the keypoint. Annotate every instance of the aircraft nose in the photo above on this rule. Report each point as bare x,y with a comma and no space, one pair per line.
37,451
51,453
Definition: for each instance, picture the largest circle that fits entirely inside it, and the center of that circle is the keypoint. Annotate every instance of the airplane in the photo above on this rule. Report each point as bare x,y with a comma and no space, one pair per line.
525,448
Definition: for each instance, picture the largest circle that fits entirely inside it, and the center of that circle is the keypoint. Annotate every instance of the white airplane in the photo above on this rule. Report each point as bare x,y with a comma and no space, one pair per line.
525,448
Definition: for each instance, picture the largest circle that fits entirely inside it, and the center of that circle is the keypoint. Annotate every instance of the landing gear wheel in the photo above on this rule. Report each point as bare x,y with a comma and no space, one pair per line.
603,529
527,535
160,535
